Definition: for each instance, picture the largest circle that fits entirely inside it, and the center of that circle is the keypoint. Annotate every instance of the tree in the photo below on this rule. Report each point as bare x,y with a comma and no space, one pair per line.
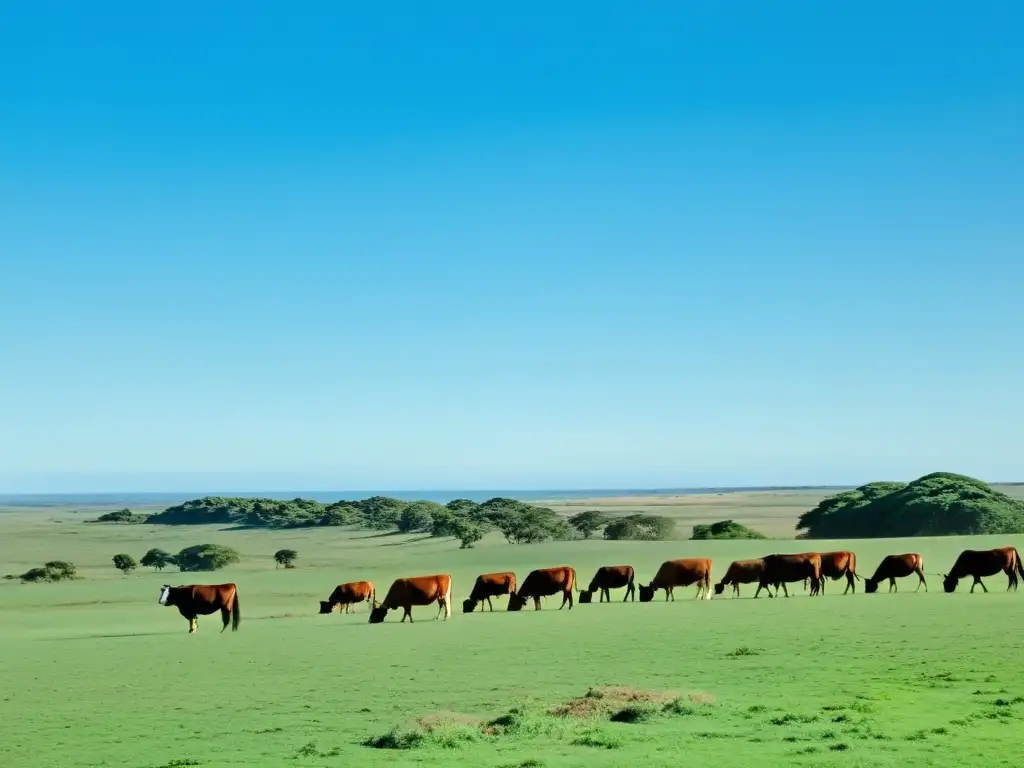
588,523
522,523
937,504
156,559
381,512
725,529
286,557
641,527
467,532
341,513
124,563
419,516
206,557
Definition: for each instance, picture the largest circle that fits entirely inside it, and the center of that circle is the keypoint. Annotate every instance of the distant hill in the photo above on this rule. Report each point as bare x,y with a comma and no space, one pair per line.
938,504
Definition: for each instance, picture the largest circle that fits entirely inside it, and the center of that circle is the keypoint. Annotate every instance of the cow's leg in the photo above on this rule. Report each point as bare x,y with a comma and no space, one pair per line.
225,616
567,598
849,583
784,590
977,581
920,577
406,613
536,603
193,624
490,604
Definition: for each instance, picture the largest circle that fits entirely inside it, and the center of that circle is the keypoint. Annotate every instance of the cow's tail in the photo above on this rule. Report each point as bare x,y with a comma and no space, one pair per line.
1020,565
852,566
236,614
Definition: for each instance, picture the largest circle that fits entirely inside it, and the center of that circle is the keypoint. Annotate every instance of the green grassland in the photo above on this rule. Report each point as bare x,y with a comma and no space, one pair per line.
95,673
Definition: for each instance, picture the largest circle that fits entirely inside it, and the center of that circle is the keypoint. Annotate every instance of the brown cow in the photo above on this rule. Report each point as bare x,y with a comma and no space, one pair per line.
984,562
348,594
680,573
195,600
418,590
610,577
836,565
488,585
741,572
782,569
544,582
895,567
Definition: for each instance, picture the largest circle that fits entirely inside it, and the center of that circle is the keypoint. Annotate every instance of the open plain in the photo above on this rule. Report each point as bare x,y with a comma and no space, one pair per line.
96,673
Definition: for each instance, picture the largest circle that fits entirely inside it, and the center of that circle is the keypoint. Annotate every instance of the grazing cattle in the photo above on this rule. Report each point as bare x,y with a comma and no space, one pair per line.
488,585
195,600
895,567
348,594
984,562
610,577
741,572
544,582
680,573
418,590
782,569
836,565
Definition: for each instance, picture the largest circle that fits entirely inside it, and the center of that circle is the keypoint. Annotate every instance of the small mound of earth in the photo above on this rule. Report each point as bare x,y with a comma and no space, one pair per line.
608,699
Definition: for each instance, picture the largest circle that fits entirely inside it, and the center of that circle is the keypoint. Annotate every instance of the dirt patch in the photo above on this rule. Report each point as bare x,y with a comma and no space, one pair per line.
436,720
606,700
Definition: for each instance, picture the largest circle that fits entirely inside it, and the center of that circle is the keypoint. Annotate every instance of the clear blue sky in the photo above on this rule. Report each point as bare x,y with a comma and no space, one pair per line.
275,246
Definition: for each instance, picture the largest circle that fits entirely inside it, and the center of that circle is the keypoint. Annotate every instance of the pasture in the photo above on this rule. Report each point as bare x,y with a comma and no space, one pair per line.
97,674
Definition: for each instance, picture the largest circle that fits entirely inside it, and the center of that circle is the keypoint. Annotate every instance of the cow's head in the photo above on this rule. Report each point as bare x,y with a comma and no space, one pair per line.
378,612
468,606
646,593
326,607
949,583
870,586
719,588
516,602
165,595
586,596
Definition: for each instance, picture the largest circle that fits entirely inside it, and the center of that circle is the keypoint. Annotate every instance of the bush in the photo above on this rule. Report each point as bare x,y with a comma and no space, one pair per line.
725,529
124,563
588,523
286,557
206,557
641,527
938,504
55,570
157,559
121,516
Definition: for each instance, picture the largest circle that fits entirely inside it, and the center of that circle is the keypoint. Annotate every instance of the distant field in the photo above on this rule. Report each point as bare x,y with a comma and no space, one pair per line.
97,674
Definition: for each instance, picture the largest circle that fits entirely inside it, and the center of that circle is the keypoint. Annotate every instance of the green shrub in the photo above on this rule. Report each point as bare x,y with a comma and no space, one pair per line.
55,570
121,516
938,504
641,527
725,529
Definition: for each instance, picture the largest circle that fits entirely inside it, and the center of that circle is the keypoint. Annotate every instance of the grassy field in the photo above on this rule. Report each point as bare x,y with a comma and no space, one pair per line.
97,674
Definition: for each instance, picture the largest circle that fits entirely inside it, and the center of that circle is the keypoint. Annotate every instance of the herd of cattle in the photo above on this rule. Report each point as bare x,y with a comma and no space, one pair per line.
811,568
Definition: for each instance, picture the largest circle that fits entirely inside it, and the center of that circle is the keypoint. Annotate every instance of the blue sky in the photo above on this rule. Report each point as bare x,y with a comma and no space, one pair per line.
255,247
